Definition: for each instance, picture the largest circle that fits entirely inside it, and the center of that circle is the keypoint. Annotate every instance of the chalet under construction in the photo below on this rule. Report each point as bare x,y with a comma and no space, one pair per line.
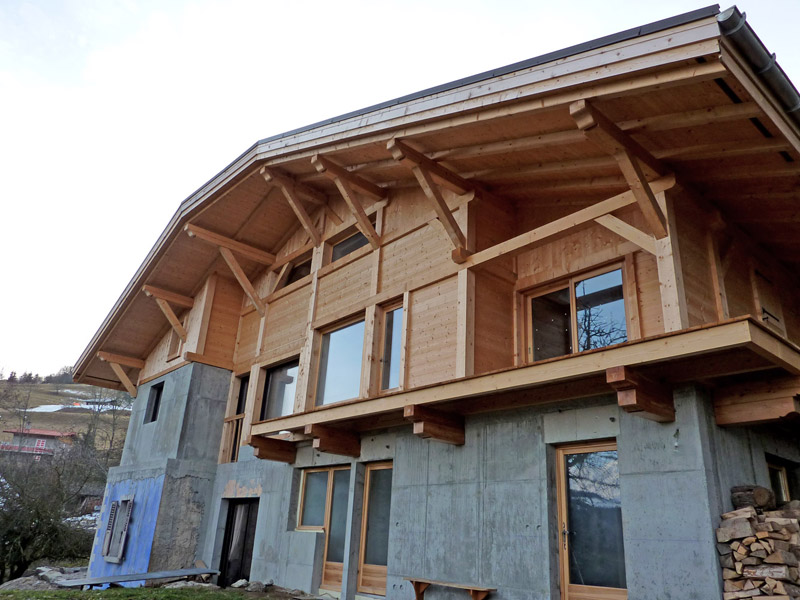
514,337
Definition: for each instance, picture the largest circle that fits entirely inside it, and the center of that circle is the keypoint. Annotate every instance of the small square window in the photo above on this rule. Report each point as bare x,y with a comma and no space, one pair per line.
351,244
153,402
279,391
340,364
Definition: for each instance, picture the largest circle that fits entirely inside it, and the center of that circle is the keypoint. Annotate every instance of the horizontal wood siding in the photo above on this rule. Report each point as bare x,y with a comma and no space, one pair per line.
286,323
344,287
692,225
494,323
432,335
224,321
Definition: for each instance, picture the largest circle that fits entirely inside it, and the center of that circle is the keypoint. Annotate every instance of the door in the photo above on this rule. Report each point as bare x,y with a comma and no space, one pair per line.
375,529
591,550
237,543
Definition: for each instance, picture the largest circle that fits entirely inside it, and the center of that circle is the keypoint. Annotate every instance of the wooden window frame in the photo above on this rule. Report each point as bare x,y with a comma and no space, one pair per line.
233,421
317,358
629,296
783,475
325,528
262,385
363,568
591,592
379,347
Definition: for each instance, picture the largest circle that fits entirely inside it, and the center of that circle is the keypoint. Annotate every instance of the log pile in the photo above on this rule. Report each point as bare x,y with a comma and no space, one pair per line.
760,553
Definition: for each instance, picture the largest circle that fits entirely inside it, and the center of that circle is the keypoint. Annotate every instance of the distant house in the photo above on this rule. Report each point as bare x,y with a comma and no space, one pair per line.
36,441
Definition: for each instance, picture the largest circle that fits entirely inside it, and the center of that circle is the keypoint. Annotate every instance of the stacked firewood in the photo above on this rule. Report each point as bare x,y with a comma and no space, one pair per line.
760,552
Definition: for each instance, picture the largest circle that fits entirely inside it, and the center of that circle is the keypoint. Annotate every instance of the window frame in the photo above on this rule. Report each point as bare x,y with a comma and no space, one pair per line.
263,388
362,548
569,282
234,421
153,406
321,333
379,347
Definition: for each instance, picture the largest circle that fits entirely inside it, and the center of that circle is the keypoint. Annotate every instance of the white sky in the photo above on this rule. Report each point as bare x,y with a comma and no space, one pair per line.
111,113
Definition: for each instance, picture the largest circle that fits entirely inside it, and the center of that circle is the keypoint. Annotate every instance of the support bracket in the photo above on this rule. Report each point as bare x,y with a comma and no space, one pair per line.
273,449
640,395
436,425
241,277
334,441
121,374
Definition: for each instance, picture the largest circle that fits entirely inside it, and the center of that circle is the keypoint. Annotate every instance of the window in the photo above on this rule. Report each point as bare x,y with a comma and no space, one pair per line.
153,402
351,244
323,506
119,516
783,478
375,529
233,423
581,314
40,446
341,356
298,272
591,549
390,357
279,391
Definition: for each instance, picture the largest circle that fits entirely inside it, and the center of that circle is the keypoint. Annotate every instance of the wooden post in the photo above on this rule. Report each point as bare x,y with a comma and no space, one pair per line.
670,275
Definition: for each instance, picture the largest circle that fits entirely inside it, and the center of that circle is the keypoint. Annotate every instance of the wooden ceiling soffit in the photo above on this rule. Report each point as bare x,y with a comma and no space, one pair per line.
292,191
164,299
273,449
115,361
757,402
334,441
425,170
641,396
635,162
435,425
347,183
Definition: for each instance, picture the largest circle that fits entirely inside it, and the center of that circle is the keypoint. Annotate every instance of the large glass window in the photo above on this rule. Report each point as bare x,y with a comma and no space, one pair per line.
591,545
390,361
585,314
340,364
279,391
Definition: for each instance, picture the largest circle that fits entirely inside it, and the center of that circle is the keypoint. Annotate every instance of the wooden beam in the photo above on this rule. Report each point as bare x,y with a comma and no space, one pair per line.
443,213
241,277
645,198
751,403
171,297
245,250
608,136
717,277
335,171
436,425
334,441
123,377
282,276
406,155
275,177
267,448
640,395
172,318
362,220
208,360
645,241
302,215
128,361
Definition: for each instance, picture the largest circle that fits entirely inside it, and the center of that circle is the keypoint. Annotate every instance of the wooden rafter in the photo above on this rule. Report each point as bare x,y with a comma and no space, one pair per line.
347,182
245,250
411,158
645,241
276,177
635,162
171,297
436,425
123,377
639,395
334,441
292,190
128,361
243,280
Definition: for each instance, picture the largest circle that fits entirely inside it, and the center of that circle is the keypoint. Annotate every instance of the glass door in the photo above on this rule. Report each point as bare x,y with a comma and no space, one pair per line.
375,529
591,550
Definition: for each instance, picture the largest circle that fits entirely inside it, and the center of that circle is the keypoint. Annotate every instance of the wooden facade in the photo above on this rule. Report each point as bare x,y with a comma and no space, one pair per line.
662,159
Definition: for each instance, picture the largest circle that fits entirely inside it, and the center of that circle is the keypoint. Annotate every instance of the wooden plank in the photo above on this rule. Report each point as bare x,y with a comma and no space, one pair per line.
299,210
124,379
334,441
241,277
641,396
171,297
443,212
717,277
172,318
205,316
465,324
631,297
128,361
436,425
335,171
760,401
273,449
645,241
406,155
645,198
208,360
354,205
670,276
244,250
277,177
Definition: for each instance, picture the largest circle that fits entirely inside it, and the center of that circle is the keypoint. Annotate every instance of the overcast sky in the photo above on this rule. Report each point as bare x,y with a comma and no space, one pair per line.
111,113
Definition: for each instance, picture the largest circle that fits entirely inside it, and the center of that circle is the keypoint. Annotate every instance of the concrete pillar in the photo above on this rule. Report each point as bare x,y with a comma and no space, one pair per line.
352,541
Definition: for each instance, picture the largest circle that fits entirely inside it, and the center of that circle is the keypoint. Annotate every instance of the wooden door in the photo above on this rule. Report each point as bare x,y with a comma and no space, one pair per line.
335,528
591,550
375,529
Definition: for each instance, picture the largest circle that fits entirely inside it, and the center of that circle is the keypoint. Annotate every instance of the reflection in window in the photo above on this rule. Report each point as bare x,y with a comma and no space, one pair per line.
600,311
594,517
340,364
279,391
351,244
552,331
338,521
315,492
390,363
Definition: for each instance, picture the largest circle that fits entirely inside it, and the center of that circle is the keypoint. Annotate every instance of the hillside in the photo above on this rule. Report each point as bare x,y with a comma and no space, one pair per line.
65,407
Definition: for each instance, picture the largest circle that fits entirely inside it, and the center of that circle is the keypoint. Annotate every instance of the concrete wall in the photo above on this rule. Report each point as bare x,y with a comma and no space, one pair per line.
169,465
